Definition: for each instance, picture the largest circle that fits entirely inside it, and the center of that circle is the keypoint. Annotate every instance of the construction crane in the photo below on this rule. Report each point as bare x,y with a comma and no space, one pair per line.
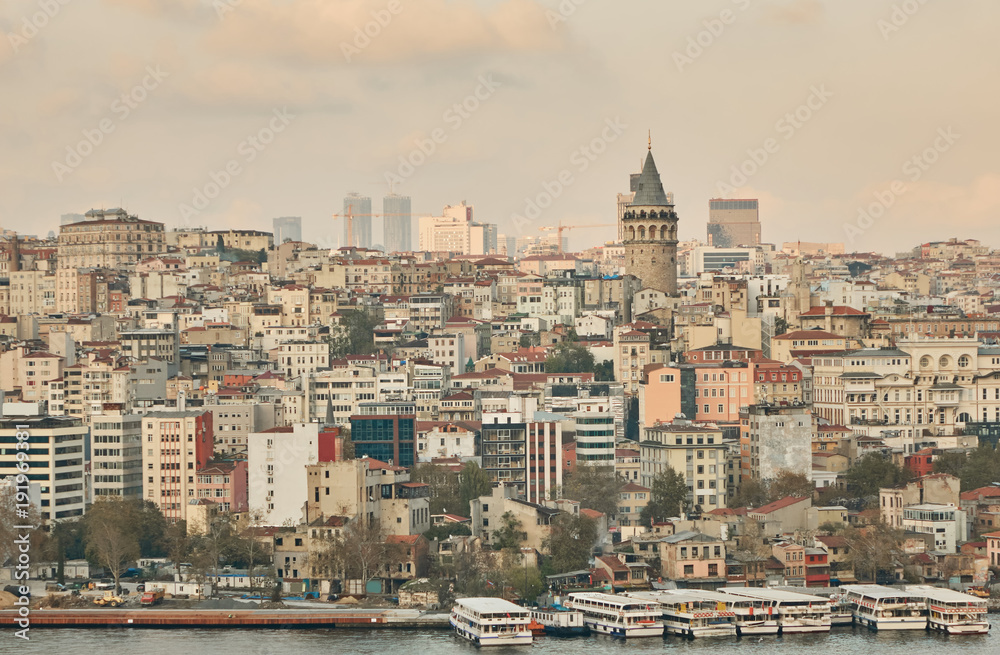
350,216
561,228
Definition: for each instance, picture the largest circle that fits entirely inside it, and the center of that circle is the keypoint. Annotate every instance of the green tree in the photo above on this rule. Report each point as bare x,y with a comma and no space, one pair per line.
604,371
570,357
509,535
873,472
594,487
666,498
570,543
355,336
977,469
474,483
951,463
442,532
220,245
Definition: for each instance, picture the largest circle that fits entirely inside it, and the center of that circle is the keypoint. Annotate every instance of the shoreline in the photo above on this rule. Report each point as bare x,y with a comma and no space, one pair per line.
292,619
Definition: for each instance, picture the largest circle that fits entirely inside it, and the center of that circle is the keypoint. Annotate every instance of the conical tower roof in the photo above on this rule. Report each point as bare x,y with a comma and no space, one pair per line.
649,188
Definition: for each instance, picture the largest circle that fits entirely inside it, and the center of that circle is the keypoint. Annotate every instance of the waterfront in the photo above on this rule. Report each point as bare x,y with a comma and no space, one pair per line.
842,641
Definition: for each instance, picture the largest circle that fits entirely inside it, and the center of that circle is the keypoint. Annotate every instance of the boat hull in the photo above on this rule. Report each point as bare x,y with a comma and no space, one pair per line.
565,631
914,623
975,628
697,633
625,633
463,632
757,628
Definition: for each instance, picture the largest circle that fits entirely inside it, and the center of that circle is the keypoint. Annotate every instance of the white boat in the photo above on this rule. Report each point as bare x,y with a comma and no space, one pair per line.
840,611
618,616
952,611
886,608
491,622
560,622
688,613
754,616
795,612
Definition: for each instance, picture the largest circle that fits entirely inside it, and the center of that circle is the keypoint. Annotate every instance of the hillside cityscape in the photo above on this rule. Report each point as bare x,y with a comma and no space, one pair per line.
495,413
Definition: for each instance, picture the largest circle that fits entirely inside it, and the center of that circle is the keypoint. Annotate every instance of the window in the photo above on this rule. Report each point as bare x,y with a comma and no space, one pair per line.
689,569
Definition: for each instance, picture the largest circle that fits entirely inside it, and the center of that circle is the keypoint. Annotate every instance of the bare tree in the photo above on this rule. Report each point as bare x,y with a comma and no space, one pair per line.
111,540
361,552
873,549
256,554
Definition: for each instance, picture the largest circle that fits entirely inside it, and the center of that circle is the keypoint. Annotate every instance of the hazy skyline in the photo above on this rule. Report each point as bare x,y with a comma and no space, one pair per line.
504,95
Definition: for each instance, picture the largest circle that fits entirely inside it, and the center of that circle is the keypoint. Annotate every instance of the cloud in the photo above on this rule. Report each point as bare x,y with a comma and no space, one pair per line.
797,12
318,32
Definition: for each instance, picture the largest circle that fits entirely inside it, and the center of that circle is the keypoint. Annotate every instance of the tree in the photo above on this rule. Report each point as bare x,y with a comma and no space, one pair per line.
751,493
780,326
9,517
243,549
787,483
666,498
570,357
873,472
594,487
872,550
111,536
474,483
359,552
442,532
752,551
509,536
977,469
570,542
356,335
444,487
220,245
177,543
604,371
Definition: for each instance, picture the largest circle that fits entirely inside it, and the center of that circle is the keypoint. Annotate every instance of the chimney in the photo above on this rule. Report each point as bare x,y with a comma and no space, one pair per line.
181,400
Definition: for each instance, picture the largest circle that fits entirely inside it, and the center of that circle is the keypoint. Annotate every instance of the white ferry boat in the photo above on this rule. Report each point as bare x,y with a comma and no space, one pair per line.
754,616
618,616
886,608
560,622
491,622
688,613
795,612
952,611
840,611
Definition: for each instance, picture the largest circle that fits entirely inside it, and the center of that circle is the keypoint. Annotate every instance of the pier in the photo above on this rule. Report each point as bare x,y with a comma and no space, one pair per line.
232,619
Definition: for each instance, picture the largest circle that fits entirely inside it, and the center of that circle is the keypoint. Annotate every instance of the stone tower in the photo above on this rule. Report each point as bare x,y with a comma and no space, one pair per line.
649,229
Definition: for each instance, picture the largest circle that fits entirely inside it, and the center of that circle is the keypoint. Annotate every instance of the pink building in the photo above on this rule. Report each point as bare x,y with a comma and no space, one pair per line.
719,393
224,483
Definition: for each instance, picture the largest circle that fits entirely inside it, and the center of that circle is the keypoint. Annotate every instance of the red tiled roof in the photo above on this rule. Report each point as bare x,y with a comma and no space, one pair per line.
837,310
631,486
781,503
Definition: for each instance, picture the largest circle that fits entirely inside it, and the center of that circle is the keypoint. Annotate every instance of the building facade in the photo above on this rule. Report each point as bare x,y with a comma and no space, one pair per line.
649,225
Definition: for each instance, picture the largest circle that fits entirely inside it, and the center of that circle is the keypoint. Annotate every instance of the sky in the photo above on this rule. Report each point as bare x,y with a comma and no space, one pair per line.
869,122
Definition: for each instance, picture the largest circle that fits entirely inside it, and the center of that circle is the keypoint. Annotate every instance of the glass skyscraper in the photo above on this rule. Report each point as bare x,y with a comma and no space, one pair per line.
361,207
287,228
397,222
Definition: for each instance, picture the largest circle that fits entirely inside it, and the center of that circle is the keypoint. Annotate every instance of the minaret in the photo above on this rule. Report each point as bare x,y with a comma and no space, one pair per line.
649,228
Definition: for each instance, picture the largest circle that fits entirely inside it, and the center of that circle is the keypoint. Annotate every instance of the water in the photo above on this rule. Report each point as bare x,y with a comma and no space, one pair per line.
841,641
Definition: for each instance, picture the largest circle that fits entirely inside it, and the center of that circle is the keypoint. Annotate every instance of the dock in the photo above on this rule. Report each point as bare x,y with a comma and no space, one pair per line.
293,619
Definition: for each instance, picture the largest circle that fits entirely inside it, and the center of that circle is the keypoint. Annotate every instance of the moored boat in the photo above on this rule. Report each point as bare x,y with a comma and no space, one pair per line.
796,612
688,613
886,608
952,611
560,622
491,622
618,616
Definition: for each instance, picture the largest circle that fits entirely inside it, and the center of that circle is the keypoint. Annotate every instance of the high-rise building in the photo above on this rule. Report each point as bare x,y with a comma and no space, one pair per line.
361,208
116,453
176,445
397,221
733,223
287,228
650,232
56,448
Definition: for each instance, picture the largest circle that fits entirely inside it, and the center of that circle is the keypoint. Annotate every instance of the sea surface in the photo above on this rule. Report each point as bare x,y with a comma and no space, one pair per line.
841,641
